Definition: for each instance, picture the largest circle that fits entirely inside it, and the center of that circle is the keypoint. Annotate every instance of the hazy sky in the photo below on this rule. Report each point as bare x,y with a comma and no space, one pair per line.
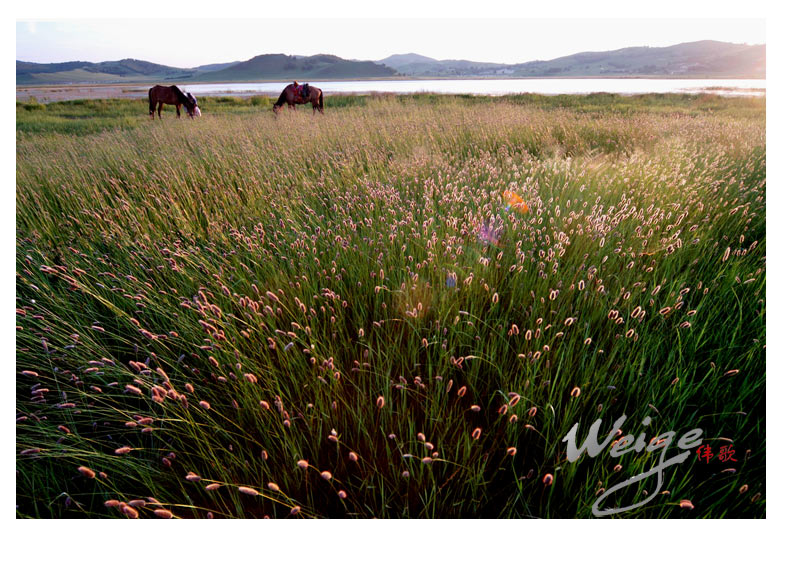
193,42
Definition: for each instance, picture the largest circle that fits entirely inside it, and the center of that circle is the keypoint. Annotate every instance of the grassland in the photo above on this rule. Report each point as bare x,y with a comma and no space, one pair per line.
349,315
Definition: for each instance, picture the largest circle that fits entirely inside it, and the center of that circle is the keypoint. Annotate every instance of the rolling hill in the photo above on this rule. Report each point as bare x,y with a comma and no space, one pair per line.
699,58
714,59
262,67
125,70
268,67
413,64
707,58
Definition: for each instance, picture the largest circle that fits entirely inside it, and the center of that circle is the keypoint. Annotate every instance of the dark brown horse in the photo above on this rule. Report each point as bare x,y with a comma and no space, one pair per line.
300,94
172,95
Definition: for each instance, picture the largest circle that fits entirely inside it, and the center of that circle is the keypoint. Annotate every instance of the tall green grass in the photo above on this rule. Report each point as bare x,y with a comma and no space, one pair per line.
86,117
355,291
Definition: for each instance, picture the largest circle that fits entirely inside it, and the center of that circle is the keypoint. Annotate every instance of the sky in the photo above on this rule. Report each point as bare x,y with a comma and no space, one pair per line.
185,42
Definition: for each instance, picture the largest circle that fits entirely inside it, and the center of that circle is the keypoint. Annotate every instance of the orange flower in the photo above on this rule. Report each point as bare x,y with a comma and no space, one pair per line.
86,472
514,201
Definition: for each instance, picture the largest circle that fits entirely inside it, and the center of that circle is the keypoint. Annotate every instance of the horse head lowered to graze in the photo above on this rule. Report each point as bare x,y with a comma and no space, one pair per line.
174,96
300,94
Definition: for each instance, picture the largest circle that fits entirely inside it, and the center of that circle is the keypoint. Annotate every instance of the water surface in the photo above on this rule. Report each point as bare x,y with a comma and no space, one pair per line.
495,87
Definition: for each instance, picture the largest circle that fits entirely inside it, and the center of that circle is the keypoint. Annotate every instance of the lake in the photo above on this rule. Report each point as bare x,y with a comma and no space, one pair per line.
491,86
496,87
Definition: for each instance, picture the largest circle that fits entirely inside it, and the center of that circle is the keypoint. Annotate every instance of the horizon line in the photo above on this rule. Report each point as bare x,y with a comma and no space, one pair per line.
377,61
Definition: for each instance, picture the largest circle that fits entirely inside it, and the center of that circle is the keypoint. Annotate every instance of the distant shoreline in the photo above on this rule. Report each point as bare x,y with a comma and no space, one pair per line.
138,90
398,79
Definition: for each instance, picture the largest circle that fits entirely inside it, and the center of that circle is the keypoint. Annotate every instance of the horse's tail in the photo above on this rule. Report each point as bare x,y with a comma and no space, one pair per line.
321,105
151,103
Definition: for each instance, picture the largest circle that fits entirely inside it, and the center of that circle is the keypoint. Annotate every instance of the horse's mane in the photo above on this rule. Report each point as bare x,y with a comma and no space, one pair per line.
181,96
282,97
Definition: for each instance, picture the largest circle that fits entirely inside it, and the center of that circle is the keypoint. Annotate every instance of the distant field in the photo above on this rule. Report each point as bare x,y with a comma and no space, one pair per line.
87,116
79,75
395,309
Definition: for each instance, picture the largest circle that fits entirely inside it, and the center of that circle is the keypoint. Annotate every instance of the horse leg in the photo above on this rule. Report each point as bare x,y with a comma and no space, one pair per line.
177,110
160,105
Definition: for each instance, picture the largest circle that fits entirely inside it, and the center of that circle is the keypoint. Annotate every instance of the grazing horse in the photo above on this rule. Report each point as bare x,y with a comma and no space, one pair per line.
300,94
172,95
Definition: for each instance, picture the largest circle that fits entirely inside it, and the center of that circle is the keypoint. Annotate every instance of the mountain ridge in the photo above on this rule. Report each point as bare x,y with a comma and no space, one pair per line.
705,57
715,59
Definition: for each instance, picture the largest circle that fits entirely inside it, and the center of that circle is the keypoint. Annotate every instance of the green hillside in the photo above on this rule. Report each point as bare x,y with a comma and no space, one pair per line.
279,66
125,70
699,58
77,76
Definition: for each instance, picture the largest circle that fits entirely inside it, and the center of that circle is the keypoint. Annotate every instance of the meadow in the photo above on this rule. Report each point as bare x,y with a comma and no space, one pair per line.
397,309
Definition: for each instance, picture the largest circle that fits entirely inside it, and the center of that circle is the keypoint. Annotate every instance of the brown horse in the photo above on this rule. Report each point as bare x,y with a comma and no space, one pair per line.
172,95
300,94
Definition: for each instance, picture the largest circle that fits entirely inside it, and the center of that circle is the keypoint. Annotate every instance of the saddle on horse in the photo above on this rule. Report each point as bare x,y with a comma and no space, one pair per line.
302,90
